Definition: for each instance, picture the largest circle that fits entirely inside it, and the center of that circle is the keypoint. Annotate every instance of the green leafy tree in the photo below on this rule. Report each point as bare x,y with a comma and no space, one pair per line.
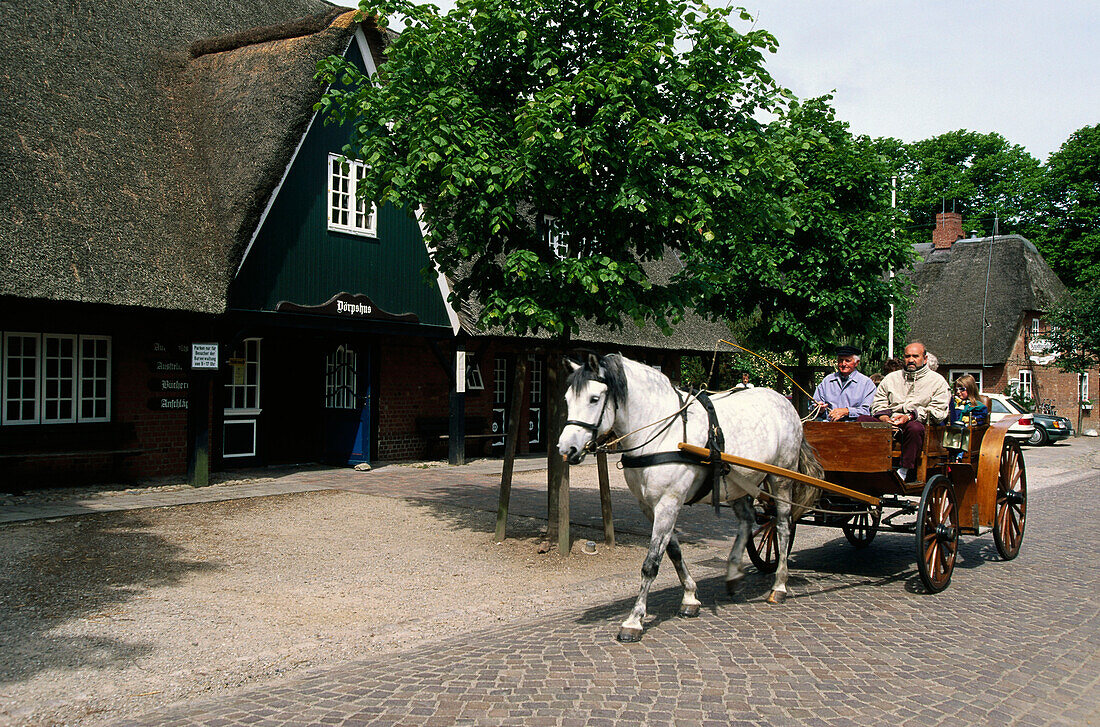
1076,333
1070,223
822,278
981,176
629,123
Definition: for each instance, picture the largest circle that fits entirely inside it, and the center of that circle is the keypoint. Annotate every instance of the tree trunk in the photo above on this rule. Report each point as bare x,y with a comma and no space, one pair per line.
510,446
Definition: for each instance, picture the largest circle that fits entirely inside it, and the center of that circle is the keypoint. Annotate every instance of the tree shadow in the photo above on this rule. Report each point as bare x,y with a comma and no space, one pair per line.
59,573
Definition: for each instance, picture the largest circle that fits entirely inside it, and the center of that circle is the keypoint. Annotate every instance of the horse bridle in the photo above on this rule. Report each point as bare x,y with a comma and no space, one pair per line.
594,428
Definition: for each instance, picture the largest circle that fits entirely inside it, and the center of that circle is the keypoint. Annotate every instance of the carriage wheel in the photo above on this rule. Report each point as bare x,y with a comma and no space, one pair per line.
862,528
1008,520
937,533
763,545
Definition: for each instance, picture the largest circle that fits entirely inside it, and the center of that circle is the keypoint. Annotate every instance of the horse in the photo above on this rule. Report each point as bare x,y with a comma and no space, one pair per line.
642,406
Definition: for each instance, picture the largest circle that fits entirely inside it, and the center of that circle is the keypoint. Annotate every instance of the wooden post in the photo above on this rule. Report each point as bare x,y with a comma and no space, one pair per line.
198,416
456,431
605,500
510,446
557,485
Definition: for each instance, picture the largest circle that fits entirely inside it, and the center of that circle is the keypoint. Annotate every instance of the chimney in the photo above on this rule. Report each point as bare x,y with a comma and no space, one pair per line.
949,227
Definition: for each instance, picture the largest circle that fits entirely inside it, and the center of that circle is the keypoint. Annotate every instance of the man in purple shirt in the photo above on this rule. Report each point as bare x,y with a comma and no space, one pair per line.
846,393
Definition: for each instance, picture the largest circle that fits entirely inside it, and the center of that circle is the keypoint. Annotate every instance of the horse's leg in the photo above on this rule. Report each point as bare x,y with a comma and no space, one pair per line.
690,605
783,487
745,517
664,519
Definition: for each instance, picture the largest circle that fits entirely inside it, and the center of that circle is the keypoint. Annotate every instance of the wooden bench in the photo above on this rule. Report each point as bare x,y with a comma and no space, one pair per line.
437,430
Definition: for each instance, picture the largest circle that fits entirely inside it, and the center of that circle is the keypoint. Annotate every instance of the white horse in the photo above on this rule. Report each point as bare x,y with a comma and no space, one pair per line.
617,394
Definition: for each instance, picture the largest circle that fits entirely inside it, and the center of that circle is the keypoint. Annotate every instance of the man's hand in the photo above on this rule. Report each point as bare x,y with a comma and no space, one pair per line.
900,418
837,414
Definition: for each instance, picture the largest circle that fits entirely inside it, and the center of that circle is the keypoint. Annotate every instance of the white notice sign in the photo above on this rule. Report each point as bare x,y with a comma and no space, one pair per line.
204,356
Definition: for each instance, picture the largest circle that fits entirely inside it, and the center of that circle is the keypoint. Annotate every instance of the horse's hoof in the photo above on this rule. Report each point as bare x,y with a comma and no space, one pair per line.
689,611
777,596
732,587
629,635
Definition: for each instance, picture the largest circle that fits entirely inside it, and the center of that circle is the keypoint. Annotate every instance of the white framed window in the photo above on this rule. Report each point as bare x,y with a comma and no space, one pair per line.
95,371
238,438
1035,326
1024,377
55,378
953,374
342,378
474,380
242,391
58,378
347,212
555,237
1083,387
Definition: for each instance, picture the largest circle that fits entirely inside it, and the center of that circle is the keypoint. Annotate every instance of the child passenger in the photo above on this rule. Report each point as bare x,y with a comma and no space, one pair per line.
966,407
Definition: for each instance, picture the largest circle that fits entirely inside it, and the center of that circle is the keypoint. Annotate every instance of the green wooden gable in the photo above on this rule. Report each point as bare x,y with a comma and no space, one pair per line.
295,258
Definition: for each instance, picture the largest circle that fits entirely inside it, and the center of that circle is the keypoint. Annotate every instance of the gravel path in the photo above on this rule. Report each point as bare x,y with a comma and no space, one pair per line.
117,614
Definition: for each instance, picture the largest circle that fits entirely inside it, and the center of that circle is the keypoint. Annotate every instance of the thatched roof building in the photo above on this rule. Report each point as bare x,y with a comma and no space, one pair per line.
1003,277
141,143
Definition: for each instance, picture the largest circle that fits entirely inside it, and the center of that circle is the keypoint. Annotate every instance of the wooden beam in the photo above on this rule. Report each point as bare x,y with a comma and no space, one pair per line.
703,453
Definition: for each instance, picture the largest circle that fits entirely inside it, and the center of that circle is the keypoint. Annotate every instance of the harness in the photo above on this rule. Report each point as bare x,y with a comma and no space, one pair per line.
716,443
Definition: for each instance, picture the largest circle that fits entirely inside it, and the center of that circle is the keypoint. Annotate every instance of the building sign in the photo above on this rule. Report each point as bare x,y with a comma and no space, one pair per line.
346,305
164,403
204,356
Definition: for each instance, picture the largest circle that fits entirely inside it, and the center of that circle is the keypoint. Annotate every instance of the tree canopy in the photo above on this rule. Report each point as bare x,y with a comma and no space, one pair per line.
630,124
981,176
1069,235
822,278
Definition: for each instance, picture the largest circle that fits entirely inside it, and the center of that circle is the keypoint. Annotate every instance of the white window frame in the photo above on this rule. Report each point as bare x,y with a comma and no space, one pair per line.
236,423
1025,382
555,237
1083,387
251,381
4,368
474,379
83,380
70,378
953,374
342,202
342,378
1034,326
75,379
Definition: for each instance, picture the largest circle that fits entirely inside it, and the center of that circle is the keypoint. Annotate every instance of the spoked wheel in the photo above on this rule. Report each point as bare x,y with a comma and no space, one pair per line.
763,545
937,533
862,528
1008,519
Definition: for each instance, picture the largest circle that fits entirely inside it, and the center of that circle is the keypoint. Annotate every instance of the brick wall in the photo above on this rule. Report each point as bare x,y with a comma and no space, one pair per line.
411,383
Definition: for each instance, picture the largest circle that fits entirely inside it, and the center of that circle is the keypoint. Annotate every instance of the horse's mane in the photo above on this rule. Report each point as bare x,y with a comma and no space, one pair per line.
608,369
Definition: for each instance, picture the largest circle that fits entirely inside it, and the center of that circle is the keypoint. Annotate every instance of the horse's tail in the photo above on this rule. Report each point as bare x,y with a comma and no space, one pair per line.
804,496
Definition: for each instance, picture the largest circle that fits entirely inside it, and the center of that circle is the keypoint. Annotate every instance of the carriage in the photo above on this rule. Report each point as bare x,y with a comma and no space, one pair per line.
976,486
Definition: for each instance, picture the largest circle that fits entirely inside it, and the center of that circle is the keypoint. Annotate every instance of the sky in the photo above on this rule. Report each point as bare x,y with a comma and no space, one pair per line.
913,69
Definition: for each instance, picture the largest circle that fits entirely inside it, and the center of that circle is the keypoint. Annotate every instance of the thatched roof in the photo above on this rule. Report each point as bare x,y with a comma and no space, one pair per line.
951,293
694,334
140,144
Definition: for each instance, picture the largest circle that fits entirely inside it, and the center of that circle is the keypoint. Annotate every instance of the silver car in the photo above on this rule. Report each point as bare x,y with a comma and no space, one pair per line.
1001,406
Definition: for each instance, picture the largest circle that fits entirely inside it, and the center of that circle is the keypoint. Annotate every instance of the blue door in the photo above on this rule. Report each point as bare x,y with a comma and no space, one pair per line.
347,405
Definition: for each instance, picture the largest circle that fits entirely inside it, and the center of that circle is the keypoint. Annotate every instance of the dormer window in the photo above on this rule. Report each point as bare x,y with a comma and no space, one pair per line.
346,212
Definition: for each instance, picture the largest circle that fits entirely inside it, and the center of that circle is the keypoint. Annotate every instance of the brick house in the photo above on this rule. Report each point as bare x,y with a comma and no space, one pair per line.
166,182
957,279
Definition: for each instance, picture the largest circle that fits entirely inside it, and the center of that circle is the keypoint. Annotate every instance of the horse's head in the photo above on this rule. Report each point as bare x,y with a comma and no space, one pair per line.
593,391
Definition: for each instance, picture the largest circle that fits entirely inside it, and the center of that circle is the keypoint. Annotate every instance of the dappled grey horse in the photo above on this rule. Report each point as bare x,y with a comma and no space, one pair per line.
640,404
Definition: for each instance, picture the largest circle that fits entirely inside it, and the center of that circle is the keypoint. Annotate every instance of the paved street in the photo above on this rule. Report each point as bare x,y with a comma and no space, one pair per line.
1013,643
858,642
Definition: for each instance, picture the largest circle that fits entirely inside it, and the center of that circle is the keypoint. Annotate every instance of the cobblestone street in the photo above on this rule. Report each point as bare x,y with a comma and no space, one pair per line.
858,642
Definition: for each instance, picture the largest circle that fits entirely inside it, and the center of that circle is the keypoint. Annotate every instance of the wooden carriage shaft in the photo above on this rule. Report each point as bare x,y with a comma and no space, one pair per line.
704,453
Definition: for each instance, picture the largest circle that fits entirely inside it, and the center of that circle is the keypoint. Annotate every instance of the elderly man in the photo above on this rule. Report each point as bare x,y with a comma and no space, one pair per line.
845,394
911,399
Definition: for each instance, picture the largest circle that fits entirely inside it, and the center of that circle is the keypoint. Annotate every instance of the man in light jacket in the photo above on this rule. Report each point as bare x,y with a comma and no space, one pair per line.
911,399
845,394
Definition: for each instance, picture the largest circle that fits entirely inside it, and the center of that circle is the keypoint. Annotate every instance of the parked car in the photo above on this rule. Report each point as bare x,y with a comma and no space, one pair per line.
1001,406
